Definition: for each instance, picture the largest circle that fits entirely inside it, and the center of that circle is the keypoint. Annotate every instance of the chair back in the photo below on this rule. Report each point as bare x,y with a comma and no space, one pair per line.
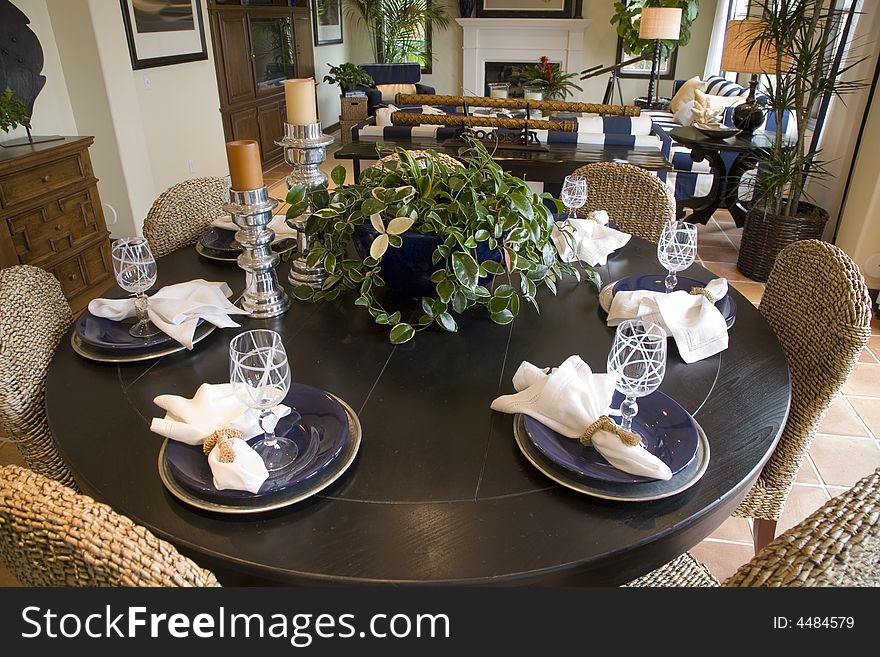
182,213
407,73
34,316
635,200
817,304
838,545
53,536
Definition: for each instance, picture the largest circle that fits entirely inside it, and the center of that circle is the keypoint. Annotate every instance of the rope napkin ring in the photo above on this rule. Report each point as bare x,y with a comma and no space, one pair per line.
605,423
701,290
223,439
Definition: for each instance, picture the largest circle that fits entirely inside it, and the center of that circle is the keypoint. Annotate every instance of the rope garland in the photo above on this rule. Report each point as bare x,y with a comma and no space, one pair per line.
409,118
517,103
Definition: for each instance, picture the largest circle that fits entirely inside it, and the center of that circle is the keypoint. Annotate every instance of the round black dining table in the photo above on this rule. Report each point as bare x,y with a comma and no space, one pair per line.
439,492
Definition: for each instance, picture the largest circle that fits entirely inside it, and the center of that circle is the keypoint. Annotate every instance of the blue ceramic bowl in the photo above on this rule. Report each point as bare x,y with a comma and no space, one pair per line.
409,268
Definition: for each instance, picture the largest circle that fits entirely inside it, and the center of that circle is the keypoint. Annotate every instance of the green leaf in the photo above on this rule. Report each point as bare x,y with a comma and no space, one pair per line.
330,263
459,302
504,291
492,267
394,317
424,320
514,305
303,292
382,318
503,317
522,205
465,268
362,300
445,290
372,206
438,307
427,306
482,292
497,304
594,278
481,235
338,175
447,322
439,276
403,332
296,195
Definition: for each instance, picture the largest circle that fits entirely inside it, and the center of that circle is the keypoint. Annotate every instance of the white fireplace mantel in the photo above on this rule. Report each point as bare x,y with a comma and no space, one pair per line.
519,40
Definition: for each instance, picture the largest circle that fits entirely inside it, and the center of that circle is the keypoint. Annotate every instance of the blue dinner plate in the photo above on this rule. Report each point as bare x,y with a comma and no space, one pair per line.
656,283
318,426
114,336
220,240
667,430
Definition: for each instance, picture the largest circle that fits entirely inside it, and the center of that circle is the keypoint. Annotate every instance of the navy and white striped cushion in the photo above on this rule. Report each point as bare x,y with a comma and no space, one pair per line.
718,86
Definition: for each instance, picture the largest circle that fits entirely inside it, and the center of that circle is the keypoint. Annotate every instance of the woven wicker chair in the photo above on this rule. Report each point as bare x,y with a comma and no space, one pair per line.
838,545
52,536
182,213
34,315
635,200
817,304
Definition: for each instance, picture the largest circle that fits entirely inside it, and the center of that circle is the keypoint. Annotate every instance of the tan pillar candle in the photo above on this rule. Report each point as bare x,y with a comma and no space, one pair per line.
245,168
301,102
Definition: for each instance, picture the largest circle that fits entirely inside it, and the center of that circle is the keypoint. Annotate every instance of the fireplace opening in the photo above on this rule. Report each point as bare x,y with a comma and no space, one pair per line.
510,72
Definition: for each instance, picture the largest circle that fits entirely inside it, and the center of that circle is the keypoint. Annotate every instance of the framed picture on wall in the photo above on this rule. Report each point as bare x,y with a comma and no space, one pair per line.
528,8
327,21
163,32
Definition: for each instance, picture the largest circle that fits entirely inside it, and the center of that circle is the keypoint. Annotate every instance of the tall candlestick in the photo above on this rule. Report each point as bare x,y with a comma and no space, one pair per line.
301,102
245,168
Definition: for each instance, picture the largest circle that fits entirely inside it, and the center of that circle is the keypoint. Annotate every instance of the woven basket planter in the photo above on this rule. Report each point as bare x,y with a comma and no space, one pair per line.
766,234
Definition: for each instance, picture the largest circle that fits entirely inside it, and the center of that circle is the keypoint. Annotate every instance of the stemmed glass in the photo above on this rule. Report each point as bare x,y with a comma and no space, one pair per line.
638,362
574,194
135,269
676,249
260,376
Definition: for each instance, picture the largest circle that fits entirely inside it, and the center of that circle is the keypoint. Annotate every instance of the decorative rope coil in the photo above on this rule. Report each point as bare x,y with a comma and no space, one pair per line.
518,103
409,118
605,423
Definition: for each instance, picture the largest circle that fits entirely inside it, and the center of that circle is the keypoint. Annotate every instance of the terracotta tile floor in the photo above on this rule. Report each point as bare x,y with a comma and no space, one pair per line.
847,447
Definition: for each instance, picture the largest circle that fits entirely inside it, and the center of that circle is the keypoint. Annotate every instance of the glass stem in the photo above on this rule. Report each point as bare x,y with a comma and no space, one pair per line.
628,410
268,427
140,307
671,281
571,213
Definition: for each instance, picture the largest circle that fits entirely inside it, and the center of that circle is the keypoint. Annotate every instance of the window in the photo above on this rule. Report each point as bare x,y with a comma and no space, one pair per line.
407,30
642,69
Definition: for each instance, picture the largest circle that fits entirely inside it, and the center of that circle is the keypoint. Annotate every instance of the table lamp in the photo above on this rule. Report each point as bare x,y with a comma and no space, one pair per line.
742,54
658,23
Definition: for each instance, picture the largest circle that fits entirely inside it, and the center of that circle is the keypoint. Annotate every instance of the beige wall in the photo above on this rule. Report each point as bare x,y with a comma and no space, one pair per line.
333,55
52,111
859,233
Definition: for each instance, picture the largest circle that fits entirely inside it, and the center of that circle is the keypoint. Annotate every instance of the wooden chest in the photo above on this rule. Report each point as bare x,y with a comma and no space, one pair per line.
51,216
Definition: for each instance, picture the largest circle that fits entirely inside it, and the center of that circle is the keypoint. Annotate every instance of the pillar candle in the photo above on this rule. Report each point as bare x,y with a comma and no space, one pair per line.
245,168
301,103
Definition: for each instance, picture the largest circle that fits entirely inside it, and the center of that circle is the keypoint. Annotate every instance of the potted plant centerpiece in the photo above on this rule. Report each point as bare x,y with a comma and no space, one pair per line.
13,111
548,76
457,235
799,37
348,77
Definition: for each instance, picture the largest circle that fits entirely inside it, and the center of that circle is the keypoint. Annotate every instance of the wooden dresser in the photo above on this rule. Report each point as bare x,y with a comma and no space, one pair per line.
51,216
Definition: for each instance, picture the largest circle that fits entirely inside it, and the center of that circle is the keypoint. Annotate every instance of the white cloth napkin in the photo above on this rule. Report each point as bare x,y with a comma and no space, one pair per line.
278,224
587,240
190,421
696,325
570,398
176,309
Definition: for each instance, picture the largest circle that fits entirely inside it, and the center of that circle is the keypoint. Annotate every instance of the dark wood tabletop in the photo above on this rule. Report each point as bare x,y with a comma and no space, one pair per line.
439,492
548,166
743,142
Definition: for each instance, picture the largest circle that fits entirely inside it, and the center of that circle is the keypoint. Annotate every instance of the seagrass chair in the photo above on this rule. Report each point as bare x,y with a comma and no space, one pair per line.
34,315
838,545
52,536
817,304
448,160
182,213
635,200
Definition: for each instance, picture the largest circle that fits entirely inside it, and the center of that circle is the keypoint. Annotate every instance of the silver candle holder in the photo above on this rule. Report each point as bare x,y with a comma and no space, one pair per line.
305,149
251,211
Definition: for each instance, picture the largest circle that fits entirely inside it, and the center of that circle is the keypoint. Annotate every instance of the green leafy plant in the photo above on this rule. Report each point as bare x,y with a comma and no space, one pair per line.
396,28
464,207
555,83
800,36
627,14
13,111
347,76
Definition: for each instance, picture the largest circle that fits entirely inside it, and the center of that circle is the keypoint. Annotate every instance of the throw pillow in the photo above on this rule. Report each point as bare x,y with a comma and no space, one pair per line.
383,115
686,113
390,91
685,93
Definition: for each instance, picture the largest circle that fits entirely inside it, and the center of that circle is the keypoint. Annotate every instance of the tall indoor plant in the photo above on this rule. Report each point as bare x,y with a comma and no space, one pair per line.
799,37
626,13
443,231
396,28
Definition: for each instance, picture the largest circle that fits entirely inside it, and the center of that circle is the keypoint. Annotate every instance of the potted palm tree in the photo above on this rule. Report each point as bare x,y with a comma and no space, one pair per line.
799,37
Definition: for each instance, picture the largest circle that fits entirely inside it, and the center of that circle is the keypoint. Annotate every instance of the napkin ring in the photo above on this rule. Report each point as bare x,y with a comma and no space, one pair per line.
701,290
605,423
223,439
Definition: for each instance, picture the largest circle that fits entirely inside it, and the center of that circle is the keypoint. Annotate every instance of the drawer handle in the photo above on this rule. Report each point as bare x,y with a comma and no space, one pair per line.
45,178
59,227
71,277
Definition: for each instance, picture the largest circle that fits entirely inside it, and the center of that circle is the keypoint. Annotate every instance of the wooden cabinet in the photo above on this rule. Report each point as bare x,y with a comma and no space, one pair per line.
256,47
51,216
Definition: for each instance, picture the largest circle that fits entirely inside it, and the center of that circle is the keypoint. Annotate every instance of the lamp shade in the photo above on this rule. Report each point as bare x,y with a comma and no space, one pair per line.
660,23
743,53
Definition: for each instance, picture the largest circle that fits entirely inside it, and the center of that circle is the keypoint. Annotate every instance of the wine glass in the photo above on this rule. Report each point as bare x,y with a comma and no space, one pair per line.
676,249
135,269
574,194
260,377
638,362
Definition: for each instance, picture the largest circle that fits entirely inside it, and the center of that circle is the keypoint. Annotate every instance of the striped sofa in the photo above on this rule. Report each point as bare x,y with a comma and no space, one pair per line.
689,179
